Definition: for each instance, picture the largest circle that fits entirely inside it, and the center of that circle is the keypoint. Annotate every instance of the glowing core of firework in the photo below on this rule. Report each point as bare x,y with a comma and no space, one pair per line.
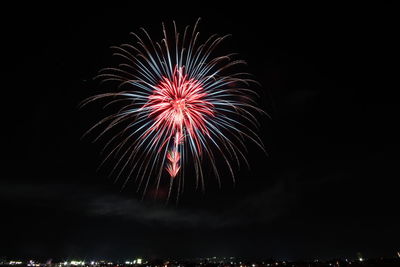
180,109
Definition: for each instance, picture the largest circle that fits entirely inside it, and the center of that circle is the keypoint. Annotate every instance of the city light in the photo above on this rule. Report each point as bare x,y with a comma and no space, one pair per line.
208,262
15,262
31,263
77,263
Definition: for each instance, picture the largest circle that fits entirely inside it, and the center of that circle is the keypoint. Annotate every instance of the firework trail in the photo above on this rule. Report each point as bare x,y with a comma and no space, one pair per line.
182,106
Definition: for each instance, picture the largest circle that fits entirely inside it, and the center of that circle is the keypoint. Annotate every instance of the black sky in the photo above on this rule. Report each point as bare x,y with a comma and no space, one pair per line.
329,187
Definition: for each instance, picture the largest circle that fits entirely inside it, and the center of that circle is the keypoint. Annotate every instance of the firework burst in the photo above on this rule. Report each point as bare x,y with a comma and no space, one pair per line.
182,106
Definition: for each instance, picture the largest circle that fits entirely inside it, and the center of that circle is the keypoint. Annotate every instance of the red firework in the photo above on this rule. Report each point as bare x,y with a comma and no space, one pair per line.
183,105
179,109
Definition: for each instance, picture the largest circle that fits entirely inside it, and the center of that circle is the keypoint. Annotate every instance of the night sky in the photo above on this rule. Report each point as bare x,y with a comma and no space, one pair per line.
328,188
